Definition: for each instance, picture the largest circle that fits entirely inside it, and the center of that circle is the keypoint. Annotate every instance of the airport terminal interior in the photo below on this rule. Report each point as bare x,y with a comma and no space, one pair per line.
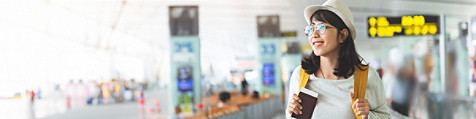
231,59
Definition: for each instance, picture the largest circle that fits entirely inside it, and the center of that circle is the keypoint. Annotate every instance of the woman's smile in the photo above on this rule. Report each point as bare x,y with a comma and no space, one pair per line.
317,43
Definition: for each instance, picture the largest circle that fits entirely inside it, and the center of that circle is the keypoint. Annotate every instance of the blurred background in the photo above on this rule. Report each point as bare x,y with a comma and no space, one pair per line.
154,59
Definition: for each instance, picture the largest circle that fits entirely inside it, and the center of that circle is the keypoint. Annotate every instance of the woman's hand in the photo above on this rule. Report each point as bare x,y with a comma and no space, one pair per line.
362,106
294,106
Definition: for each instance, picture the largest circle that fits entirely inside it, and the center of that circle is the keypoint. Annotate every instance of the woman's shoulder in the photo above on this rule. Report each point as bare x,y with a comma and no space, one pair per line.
373,77
373,74
297,70
294,80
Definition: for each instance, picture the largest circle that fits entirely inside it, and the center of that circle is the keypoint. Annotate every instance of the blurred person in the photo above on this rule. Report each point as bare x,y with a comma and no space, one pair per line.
30,100
81,93
127,91
244,86
100,93
122,90
224,98
58,98
38,93
403,89
473,79
395,62
106,93
427,70
113,90
451,86
423,53
380,71
92,92
134,88
422,107
255,95
332,65
31,95
117,91
69,92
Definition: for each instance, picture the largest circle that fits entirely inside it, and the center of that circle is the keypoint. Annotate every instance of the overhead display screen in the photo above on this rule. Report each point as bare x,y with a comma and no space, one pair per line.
386,26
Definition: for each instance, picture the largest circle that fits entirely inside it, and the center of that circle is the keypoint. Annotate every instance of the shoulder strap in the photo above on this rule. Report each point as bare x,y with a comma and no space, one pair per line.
303,78
360,83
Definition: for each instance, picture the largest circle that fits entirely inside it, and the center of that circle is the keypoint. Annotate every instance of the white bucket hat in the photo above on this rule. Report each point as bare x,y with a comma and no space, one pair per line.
336,6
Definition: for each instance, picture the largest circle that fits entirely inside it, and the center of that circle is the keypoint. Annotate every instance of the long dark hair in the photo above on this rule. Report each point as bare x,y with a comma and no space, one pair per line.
348,58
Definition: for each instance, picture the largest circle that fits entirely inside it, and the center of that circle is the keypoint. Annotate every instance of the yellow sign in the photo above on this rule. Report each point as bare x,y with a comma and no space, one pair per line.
406,25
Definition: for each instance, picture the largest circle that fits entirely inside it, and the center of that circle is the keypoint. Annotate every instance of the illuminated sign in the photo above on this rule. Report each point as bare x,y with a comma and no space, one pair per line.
382,26
289,34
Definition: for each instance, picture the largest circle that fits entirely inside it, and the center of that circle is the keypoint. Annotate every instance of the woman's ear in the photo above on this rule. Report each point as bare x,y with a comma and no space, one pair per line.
344,34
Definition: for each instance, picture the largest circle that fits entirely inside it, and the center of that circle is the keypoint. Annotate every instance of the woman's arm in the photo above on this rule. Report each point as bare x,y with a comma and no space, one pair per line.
293,85
378,107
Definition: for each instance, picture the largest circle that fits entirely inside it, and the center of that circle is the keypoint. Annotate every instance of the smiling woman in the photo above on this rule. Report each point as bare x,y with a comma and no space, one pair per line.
334,69
331,39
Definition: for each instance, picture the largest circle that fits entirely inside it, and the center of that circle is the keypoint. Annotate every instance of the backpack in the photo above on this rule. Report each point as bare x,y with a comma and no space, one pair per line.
360,83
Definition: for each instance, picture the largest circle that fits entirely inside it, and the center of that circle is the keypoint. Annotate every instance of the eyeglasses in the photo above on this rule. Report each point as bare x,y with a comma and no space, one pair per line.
321,29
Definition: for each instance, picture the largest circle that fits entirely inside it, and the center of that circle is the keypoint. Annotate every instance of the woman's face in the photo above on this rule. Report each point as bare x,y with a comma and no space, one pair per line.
325,43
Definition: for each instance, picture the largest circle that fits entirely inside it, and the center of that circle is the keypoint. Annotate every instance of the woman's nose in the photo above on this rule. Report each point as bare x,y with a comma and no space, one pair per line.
316,34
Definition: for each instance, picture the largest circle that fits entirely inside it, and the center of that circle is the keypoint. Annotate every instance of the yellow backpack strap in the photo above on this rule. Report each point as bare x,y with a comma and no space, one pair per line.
303,78
360,83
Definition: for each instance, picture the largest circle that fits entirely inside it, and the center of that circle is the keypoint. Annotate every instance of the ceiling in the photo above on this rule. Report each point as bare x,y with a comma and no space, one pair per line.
140,27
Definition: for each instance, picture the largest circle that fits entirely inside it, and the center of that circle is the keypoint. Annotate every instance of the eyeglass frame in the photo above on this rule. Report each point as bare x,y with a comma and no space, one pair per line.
316,28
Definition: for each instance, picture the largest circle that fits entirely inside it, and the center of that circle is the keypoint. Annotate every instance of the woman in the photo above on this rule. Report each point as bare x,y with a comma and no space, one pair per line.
331,67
